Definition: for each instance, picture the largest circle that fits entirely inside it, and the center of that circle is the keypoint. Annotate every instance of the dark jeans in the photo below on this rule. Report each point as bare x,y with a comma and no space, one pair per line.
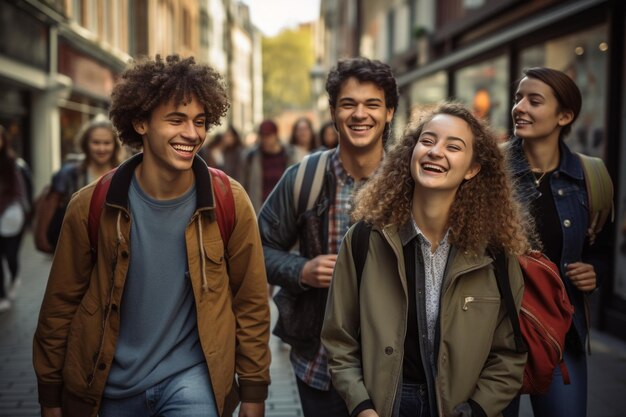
318,403
561,400
9,250
414,401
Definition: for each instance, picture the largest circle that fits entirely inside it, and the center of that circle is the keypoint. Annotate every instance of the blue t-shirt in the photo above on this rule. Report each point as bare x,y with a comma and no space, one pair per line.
158,330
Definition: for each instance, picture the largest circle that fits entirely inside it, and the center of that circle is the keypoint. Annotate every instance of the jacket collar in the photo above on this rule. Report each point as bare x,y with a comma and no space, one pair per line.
120,183
568,163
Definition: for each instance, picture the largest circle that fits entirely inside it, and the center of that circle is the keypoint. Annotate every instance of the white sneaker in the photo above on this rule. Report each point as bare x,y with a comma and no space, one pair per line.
13,290
5,305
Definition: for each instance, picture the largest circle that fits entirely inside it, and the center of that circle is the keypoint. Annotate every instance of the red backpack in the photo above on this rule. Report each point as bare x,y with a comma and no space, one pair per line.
544,320
224,206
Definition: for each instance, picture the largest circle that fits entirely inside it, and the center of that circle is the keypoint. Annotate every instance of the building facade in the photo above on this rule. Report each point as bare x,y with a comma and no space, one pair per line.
59,73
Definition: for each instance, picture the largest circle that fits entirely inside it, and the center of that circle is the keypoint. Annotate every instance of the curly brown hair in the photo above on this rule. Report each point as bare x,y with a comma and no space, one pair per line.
484,214
150,83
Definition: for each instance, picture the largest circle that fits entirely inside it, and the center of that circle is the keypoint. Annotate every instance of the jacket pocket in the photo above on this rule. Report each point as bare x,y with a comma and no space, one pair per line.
478,302
215,263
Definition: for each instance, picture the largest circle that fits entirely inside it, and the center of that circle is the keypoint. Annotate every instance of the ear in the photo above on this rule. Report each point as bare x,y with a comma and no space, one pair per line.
141,126
473,171
565,117
390,113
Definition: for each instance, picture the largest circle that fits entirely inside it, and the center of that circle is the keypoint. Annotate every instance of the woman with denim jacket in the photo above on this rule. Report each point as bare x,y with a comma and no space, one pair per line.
425,333
550,180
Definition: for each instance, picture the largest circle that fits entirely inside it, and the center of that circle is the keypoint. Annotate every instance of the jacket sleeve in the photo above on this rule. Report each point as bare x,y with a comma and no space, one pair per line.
278,225
340,332
501,377
250,301
67,283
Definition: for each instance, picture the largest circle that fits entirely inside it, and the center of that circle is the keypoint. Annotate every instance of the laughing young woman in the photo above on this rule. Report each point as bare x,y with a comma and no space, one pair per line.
425,333
550,179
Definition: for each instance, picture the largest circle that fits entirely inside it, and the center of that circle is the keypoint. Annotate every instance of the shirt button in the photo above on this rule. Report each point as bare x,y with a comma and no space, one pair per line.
388,350
560,192
567,223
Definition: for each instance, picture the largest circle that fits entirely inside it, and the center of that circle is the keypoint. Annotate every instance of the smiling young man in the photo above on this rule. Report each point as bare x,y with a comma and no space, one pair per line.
169,315
363,96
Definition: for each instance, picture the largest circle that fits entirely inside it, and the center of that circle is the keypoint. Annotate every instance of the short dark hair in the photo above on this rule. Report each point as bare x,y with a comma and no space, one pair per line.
150,83
364,70
565,90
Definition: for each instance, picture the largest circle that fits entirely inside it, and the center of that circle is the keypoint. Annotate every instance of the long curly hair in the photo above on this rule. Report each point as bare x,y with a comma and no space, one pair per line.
484,214
150,83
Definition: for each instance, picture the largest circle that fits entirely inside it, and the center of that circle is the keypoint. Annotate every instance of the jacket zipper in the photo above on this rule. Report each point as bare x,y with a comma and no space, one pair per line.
468,300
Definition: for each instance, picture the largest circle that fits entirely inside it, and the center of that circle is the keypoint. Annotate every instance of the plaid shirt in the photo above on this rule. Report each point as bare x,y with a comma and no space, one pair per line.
315,373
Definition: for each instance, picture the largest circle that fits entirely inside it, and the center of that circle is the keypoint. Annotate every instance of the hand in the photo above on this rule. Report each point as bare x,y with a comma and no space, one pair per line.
368,413
252,409
462,410
318,272
582,275
51,412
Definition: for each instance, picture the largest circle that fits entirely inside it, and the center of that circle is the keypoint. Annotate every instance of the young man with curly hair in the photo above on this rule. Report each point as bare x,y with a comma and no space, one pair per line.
170,319
363,96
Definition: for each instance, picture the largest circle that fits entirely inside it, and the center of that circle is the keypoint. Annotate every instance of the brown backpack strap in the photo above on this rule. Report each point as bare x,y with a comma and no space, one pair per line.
599,194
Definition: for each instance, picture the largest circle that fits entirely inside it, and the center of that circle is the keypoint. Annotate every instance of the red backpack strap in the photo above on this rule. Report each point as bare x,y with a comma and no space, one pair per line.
224,203
95,211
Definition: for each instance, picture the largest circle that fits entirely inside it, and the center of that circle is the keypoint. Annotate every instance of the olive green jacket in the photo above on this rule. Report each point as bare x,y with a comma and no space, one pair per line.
476,356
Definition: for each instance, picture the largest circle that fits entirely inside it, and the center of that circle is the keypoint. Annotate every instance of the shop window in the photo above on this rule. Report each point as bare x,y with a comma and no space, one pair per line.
583,56
484,87
428,91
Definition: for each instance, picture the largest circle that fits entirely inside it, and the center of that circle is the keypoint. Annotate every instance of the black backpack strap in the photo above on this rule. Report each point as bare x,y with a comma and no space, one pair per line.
360,245
504,286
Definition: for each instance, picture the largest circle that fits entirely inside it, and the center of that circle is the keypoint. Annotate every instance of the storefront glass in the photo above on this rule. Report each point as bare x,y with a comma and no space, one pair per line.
583,56
427,91
485,88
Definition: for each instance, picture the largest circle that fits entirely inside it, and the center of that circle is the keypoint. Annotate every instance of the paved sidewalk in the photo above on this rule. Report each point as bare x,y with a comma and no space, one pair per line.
18,396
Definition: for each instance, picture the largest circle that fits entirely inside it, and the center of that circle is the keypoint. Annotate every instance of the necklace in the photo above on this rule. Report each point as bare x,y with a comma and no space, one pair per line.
538,179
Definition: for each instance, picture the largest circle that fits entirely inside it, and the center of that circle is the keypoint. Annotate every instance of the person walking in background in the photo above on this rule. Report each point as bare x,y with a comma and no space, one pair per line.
224,151
265,163
14,208
328,136
363,96
303,137
550,180
172,318
101,149
425,333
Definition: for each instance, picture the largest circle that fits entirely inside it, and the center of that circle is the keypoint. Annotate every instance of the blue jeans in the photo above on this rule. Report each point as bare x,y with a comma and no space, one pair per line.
187,394
318,403
414,401
561,400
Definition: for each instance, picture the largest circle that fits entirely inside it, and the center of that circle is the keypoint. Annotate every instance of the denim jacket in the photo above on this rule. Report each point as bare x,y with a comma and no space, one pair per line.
570,198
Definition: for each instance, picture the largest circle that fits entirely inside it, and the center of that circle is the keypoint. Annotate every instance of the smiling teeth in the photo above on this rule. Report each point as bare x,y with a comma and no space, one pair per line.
360,127
184,148
433,167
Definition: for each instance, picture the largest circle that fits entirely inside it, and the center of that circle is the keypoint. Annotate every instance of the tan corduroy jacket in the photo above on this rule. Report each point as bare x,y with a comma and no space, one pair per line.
78,326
